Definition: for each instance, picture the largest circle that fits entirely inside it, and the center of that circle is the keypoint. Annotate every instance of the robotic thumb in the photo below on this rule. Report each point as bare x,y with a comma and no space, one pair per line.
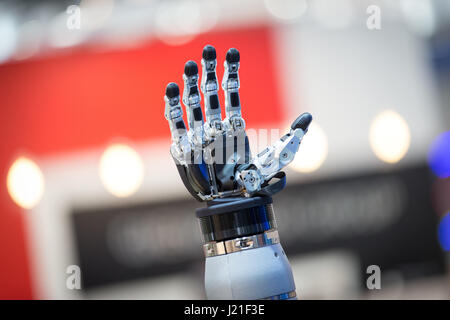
302,122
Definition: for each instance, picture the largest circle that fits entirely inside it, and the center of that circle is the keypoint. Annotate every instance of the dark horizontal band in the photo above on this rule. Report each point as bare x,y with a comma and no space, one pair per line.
233,220
223,205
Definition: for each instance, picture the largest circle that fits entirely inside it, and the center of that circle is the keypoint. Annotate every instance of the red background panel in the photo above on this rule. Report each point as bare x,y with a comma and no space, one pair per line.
79,99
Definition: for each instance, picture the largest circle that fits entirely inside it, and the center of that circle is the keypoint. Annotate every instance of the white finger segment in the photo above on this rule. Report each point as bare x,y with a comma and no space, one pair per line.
191,99
181,147
210,87
230,85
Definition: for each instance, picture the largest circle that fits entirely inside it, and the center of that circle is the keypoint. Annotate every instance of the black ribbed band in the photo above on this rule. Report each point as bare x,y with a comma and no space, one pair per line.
231,218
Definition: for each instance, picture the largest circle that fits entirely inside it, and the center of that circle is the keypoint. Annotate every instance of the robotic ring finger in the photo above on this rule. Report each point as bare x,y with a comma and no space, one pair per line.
244,257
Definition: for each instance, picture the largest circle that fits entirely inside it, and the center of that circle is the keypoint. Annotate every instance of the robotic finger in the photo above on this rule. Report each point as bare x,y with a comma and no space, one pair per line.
191,99
181,147
230,85
210,87
191,173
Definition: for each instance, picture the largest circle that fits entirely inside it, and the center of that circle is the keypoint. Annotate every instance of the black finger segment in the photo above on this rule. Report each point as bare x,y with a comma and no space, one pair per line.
214,101
302,122
234,99
193,90
190,68
198,116
209,53
172,90
180,125
233,56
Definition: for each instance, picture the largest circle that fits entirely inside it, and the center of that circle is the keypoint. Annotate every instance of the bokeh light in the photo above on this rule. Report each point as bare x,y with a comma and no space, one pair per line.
439,155
31,34
287,10
313,150
121,170
25,183
332,14
8,36
178,22
95,13
419,15
389,136
444,232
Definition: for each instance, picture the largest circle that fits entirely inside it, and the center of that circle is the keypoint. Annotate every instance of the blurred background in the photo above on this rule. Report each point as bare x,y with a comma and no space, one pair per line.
86,175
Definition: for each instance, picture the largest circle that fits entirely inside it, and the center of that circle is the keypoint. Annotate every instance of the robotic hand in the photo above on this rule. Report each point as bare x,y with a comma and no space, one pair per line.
213,157
214,161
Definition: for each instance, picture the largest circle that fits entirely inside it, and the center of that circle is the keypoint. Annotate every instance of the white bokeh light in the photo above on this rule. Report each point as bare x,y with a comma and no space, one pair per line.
420,16
121,170
25,183
95,13
389,136
8,37
287,10
178,22
333,14
31,34
313,150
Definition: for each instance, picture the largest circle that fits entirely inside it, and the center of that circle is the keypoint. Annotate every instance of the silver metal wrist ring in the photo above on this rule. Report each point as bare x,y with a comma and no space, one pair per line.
216,248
